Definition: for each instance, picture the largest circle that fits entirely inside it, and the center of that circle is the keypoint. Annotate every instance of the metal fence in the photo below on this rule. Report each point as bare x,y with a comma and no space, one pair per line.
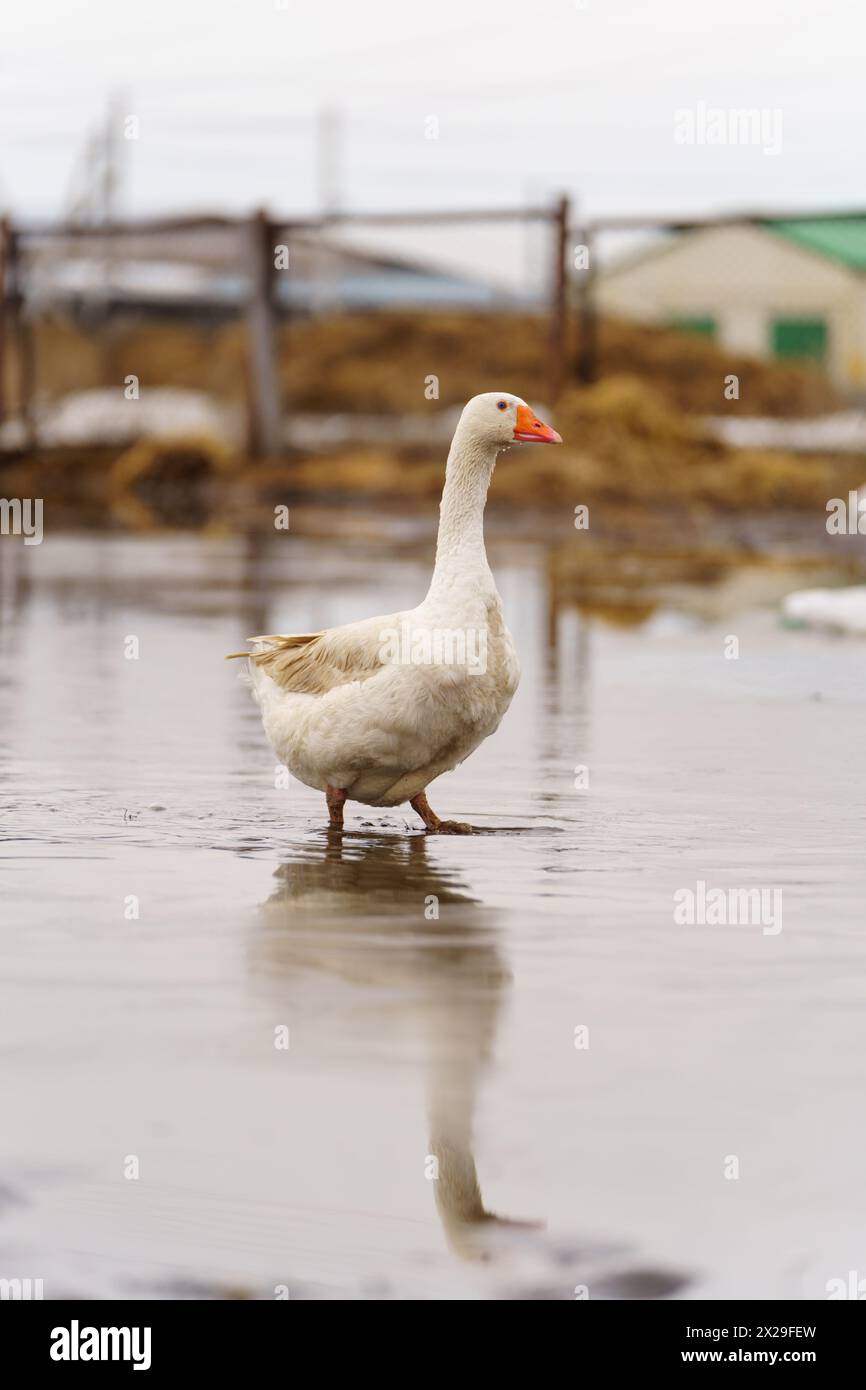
755,281
219,268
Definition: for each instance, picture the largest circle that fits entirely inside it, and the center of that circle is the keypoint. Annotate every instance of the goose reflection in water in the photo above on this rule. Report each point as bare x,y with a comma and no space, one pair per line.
376,913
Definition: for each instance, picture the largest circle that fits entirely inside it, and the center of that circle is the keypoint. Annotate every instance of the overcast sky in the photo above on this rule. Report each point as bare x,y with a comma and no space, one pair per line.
531,99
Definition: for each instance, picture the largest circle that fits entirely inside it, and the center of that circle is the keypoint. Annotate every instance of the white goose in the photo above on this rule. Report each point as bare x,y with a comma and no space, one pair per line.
373,711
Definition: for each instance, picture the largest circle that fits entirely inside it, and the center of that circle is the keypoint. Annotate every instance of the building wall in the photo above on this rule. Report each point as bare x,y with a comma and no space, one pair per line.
744,278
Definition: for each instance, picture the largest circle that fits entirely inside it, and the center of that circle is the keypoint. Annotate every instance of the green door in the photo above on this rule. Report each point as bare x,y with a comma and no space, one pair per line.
702,324
800,338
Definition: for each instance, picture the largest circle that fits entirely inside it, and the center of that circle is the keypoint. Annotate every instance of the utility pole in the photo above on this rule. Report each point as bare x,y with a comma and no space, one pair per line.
95,187
328,139
328,172
111,156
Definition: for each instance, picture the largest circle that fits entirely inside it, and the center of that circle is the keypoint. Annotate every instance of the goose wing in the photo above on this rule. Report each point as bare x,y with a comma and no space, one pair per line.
315,662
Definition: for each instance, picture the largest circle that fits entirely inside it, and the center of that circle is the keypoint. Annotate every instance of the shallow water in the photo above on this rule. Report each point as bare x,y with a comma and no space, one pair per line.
415,1037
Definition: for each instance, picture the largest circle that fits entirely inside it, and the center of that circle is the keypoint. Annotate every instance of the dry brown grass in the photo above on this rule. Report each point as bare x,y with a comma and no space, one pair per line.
689,372
160,354
369,362
632,438
623,444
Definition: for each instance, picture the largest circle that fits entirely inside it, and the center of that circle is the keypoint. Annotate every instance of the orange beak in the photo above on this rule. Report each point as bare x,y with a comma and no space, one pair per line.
530,430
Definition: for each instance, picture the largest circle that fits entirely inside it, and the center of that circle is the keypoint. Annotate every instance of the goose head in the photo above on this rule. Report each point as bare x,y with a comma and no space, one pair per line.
500,419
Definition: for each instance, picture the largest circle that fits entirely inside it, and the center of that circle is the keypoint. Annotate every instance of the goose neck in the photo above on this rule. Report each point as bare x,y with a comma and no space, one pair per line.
460,543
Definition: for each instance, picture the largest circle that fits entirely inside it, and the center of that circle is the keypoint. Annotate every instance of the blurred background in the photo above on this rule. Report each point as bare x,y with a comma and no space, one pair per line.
254,259
239,247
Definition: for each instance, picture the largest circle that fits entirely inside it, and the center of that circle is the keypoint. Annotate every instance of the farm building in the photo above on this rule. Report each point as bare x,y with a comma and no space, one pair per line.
793,288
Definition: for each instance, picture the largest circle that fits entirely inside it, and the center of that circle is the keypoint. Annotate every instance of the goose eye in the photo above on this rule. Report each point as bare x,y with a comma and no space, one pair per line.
501,405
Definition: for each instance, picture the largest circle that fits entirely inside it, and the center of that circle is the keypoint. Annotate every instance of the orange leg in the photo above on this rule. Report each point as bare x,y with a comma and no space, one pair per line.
434,825
336,799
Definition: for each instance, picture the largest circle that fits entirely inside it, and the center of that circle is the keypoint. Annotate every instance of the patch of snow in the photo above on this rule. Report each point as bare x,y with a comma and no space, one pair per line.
841,610
842,432
105,416
331,431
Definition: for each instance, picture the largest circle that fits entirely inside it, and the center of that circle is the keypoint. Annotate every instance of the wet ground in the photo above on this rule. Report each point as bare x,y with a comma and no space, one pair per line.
510,1071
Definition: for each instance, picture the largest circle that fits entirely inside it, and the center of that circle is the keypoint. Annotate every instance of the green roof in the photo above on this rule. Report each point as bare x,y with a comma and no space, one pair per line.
841,238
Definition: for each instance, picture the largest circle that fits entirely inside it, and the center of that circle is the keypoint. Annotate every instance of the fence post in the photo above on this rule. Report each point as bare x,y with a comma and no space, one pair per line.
558,300
5,234
587,319
16,332
265,409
